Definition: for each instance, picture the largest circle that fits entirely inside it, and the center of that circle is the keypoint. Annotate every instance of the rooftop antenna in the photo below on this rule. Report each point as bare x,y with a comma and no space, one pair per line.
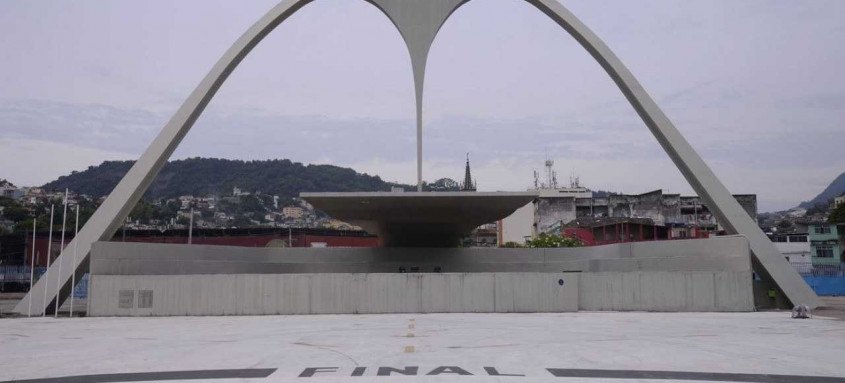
574,180
536,180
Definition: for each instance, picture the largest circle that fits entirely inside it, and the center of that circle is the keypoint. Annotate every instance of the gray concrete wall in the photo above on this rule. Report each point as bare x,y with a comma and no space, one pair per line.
715,254
692,275
257,294
666,291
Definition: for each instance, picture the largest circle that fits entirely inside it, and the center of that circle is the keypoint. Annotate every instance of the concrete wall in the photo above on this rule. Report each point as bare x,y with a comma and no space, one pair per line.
665,291
715,254
691,275
256,294
517,226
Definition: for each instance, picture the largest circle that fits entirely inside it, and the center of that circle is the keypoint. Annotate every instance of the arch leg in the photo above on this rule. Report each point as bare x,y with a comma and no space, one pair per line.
111,214
768,261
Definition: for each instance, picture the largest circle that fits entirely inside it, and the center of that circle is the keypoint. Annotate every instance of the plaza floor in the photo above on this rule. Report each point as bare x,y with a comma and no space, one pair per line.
571,347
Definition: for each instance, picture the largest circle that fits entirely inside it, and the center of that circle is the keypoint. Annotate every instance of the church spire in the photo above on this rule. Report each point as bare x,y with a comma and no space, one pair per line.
468,184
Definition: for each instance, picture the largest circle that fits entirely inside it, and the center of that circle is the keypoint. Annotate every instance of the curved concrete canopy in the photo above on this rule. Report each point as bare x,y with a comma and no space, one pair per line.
419,219
418,21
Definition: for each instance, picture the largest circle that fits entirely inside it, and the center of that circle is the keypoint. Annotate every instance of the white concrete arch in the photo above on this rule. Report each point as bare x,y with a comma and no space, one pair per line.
768,261
418,21
117,206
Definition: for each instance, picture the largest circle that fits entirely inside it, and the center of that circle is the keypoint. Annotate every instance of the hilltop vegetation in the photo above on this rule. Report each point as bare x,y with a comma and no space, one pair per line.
835,189
209,176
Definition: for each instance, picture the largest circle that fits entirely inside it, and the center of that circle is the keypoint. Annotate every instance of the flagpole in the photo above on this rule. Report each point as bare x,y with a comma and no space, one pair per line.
49,252
75,250
32,268
61,261
191,227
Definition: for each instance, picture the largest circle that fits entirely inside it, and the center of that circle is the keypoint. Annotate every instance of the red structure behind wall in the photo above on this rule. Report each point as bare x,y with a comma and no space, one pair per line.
609,231
258,237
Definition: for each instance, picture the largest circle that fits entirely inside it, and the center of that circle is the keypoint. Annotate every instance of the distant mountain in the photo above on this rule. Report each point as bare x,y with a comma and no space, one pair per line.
205,176
835,189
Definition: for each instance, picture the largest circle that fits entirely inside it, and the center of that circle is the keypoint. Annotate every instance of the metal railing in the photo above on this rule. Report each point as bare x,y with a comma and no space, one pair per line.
821,270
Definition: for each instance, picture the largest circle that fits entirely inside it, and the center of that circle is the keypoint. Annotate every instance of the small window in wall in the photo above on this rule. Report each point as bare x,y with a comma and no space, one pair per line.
126,299
797,238
824,251
145,299
822,229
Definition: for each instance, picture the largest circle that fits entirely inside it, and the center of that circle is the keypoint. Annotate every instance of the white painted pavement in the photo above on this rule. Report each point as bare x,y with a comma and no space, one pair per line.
524,344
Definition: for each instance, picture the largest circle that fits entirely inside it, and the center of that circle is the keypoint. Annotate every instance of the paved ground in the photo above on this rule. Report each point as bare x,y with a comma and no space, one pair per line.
673,346
9,301
833,307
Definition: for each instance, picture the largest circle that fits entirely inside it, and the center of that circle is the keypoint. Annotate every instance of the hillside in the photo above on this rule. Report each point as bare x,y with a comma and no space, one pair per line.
204,176
835,189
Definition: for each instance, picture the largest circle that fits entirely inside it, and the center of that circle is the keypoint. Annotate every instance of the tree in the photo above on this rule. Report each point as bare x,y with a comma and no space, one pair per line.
553,240
252,204
785,225
12,210
837,215
443,184
204,176
144,211
15,213
241,222
207,214
22,226
819,208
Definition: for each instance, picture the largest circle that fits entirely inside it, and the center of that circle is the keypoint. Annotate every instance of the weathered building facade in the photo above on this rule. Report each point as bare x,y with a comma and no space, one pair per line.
556,207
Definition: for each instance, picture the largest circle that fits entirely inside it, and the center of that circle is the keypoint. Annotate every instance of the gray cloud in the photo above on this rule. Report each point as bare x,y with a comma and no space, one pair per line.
753,85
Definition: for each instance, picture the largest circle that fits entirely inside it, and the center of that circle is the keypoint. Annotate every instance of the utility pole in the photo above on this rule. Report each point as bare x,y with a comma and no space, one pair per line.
49,254
75,252
61,261
32,267
191,227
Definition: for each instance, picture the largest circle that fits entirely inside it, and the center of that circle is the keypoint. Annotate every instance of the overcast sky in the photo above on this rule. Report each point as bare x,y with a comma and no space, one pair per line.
755,86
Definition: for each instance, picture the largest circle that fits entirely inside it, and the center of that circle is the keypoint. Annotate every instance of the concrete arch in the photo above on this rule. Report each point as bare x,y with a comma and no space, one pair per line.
418,21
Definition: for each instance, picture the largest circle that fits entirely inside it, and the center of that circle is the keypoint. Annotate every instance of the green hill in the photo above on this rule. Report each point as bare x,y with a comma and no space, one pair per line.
835,189
205,176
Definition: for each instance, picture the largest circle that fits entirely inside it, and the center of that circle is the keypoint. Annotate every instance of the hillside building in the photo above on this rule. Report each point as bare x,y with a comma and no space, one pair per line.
795,247
292,212
684,216
826,243
9,191
653,213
